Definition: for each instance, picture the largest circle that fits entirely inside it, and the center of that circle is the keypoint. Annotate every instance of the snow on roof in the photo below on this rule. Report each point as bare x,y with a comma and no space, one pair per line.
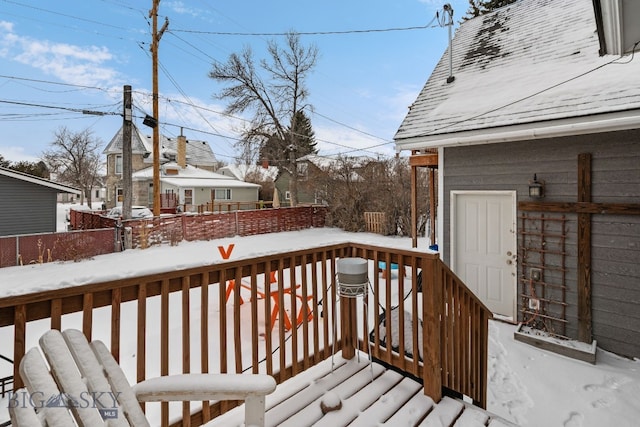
192,177
532,61
328,162
240,172
207,183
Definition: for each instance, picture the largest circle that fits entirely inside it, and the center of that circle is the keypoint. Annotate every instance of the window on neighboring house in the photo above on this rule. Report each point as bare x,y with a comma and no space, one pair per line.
303,170
97,196
287,195
223,194
118,164
119,195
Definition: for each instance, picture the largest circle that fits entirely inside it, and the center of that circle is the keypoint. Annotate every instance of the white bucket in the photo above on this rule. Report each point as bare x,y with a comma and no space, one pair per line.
352,275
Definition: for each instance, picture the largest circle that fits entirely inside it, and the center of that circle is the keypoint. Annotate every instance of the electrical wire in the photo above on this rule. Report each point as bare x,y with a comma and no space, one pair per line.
90,21
351,149
55,83
524,98
304,33
75,110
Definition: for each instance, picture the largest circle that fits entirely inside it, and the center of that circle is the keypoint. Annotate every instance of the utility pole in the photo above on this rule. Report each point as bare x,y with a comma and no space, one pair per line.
156,36
126,155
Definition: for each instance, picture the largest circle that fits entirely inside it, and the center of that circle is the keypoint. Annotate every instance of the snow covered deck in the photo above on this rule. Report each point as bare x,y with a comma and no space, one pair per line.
183,319
390,399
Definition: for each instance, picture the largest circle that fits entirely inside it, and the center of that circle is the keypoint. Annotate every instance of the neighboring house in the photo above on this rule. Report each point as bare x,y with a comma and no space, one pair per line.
98,194
264,175
195,187
28,203
315,172
528,95
197,154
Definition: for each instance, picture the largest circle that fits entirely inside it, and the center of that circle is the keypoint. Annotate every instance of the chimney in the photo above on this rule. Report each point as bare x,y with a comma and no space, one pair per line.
181,157
265,163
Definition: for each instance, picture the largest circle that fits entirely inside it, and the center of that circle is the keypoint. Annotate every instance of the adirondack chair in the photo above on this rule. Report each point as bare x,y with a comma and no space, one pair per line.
83,385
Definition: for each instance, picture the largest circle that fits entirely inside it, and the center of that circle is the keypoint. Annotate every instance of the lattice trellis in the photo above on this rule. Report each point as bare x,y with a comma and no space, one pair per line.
543,272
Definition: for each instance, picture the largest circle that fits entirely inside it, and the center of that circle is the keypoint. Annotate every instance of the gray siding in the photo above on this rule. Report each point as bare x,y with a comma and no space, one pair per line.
26,207
615,238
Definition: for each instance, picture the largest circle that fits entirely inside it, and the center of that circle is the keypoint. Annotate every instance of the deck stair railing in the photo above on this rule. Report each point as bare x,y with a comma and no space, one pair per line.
269,314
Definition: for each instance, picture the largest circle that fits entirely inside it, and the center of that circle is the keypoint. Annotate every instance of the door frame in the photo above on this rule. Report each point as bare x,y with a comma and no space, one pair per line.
514,212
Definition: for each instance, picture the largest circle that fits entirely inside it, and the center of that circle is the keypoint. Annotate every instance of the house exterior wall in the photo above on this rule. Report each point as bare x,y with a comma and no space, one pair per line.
242,195
141,191
202,195
615,275
27,208
114,180
306,188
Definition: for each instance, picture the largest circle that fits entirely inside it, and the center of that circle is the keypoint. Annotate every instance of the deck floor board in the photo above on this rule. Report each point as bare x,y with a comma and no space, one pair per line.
389,400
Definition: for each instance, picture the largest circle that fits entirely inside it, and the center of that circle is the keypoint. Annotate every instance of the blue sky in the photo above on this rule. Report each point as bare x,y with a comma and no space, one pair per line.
77,55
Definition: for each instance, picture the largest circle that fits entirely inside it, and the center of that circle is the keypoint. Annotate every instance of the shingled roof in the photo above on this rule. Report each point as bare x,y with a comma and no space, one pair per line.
199,153
528,70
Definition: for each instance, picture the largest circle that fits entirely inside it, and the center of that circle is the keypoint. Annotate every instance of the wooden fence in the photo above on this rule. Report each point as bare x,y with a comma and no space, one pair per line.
49,247
376,222
175,228
228,317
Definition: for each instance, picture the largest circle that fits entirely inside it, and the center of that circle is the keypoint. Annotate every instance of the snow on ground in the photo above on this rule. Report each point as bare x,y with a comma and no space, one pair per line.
527,385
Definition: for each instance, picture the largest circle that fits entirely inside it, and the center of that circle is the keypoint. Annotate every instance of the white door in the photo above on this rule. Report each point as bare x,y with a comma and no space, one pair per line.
483,246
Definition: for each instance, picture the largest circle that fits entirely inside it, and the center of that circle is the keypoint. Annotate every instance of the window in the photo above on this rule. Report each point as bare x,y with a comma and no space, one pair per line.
287,195
150,196
118,164
303,171
119,195
223,194
188,196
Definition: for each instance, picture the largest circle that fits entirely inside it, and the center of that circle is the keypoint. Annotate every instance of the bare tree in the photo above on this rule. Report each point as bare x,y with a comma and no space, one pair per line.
74,158
274,99
351,186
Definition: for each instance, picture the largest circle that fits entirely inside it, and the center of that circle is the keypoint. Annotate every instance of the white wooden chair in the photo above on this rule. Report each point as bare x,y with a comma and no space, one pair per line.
83,385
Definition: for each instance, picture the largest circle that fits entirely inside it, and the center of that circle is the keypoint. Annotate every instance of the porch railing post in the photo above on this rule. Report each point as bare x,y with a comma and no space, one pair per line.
348,326
432,317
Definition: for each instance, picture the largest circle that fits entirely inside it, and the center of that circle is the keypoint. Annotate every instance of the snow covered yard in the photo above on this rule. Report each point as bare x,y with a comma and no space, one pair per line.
529,386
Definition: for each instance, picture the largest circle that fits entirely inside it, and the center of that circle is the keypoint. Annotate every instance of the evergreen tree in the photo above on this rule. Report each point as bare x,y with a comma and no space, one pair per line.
32,168
4,162
300,133
303,135
481,7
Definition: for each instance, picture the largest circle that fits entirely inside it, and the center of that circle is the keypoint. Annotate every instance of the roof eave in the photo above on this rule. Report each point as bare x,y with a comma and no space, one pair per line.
39,181
609,122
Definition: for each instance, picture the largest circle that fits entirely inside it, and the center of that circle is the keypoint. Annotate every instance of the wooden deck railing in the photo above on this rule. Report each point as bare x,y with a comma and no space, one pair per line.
218,318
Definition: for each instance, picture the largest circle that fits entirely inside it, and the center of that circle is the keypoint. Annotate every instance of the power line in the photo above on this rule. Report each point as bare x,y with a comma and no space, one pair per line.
54,83
524,98
345,125
304,33
91,21
75,110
